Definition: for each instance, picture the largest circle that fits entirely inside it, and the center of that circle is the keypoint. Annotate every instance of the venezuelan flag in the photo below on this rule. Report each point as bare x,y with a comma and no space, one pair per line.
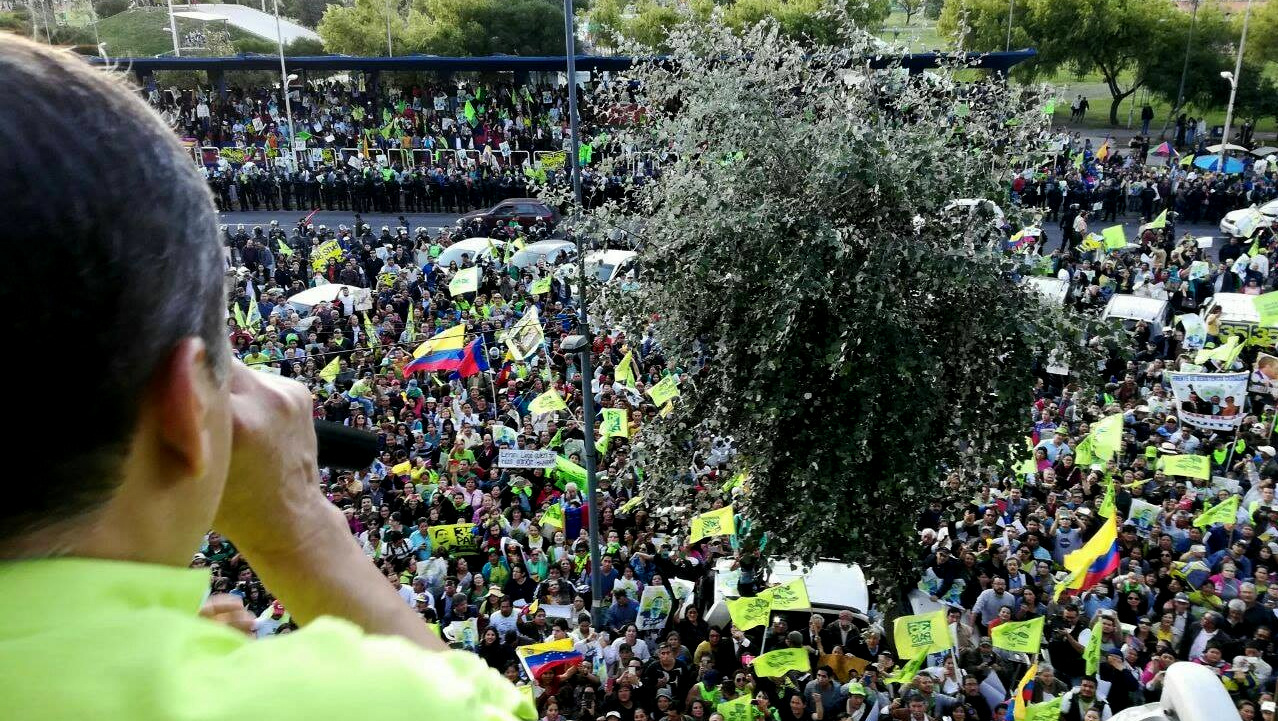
1096,560
442,352
538,658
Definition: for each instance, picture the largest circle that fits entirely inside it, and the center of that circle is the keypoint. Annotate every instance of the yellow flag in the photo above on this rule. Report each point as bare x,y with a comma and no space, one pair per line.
925,632
748,613
630,505
525,336
775,664
330,371
285,251
401,469
625,373
541,286
1187,465
738,709
665,390
718,522
1018,699
547,402
614,423
1107,436
1226,512
554,516
792,596
1024,636
466,281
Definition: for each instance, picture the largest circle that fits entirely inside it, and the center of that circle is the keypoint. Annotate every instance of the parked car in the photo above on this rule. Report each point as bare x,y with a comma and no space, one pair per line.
551,251
605,265
1230,224
1131,309
526,211
474,248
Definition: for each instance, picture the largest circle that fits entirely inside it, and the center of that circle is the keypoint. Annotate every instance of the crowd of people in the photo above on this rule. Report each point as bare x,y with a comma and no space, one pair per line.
425,148
518,572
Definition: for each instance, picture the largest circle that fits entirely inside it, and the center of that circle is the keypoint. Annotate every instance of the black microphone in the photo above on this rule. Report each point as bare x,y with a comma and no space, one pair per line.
343,447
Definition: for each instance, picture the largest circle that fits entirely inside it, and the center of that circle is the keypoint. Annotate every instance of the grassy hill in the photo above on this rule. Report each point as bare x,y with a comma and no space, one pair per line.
145,31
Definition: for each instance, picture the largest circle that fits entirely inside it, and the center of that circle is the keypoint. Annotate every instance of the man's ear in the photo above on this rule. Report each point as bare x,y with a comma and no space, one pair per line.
178,401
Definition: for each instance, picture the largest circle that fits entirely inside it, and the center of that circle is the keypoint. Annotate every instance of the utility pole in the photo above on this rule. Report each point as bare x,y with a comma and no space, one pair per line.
587,372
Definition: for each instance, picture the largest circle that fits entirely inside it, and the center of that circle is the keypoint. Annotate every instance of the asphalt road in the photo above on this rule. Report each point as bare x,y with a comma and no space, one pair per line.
334,219
1131,223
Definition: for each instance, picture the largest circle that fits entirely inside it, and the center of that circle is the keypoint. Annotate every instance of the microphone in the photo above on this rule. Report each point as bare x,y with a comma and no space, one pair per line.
343,447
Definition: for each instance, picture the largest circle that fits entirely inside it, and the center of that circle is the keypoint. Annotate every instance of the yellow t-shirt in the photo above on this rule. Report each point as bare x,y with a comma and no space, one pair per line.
104,640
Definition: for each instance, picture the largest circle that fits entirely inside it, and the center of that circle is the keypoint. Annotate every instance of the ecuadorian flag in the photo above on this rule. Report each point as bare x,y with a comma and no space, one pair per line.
1096,560
444,351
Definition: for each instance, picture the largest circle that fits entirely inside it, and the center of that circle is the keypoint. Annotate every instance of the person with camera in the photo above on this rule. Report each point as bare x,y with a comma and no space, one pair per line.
182,439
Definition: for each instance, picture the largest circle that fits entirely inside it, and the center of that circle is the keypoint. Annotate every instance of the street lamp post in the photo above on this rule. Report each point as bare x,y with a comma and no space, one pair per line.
390,49
1233,88
284,79
1184,69
177,49
1010,5
587,373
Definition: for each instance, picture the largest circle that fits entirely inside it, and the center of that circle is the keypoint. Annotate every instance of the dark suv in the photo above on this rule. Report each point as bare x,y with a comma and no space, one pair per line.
525,211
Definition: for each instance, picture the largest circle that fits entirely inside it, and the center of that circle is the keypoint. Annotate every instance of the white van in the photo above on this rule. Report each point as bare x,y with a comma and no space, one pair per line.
1238,317
1133,308
832,587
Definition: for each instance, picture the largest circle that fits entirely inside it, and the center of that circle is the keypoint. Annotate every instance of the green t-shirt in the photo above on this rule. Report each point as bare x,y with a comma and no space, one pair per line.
93,639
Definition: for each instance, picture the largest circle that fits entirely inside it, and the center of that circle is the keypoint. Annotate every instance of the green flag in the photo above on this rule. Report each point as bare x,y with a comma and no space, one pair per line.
1106,509
540,286
1046,711
284,249
1024,636
907,673
1226,512
1092,651
1115,238
738,709
469,110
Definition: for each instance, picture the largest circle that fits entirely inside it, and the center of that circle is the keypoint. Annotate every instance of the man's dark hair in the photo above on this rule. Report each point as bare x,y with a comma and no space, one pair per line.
104,211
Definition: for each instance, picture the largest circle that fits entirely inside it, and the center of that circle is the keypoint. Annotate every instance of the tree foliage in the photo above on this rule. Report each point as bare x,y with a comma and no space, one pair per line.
647,23
1121,40
446,27
1262,34
862,342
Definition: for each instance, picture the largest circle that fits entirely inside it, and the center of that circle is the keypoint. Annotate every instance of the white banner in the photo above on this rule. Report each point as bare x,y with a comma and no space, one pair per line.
511,458
1209,400
654,608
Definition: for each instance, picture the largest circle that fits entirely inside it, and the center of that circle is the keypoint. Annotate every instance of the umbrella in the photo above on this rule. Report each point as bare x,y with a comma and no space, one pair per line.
1164,149
1209,162
1231,146
1264,150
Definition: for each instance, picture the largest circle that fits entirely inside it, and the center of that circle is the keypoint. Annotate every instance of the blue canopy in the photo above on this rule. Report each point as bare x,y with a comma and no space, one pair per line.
1210,162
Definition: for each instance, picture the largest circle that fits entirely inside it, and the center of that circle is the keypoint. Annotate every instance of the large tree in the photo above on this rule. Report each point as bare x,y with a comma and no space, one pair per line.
646,23
1120,40
445,27
864,343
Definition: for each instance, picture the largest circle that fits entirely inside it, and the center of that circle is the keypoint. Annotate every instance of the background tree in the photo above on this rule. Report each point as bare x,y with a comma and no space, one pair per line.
1262,34
446,27
911,8
863,343
647,23
1118,39
932,9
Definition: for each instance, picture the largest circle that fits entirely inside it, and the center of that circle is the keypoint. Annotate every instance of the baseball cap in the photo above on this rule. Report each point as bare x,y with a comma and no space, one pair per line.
613,714
665,692
1267,706
1181,597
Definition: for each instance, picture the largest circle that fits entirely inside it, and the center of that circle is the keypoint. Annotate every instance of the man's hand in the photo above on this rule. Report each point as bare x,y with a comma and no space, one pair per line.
228,610
271,494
